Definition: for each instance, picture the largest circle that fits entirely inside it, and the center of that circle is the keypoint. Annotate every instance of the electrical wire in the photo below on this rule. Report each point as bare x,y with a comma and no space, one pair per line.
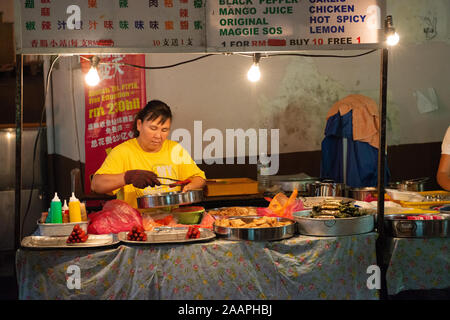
47,84
321,55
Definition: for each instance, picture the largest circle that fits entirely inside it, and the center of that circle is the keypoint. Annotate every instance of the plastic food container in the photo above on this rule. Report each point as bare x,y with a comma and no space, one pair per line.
60,229
189,215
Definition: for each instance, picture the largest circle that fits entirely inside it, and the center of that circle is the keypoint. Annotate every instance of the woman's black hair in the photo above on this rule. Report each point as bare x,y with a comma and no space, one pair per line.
153,110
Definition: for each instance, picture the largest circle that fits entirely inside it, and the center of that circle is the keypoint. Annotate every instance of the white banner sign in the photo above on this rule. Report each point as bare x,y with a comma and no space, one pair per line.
279,25
142,26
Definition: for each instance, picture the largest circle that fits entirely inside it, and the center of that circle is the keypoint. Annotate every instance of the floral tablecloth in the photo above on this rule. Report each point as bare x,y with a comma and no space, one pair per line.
416,264
297,268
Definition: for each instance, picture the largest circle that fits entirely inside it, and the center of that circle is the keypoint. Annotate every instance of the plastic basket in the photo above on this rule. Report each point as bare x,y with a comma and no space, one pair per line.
426,204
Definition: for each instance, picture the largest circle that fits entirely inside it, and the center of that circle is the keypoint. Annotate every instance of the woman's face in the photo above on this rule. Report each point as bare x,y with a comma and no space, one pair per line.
152,134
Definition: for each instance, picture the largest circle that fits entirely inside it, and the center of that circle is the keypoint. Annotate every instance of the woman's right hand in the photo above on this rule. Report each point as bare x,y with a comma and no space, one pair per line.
141,178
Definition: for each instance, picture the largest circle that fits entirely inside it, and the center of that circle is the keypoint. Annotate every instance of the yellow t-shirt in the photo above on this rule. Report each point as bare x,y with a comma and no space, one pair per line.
172,161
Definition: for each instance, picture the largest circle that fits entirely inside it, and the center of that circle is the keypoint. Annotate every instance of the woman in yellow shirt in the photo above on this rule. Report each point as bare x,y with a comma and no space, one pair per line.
138,162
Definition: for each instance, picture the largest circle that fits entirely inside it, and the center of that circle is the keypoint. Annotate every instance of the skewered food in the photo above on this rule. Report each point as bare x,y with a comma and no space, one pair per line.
137,233
77,236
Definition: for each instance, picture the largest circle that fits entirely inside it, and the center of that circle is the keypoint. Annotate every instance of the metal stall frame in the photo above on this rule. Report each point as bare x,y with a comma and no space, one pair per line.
380,243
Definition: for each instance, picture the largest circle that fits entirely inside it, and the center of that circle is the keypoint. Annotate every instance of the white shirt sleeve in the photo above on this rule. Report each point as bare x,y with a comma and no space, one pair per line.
446,142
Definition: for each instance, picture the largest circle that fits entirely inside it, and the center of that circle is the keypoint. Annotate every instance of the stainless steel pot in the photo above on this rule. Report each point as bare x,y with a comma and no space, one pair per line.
326,188
333,227
413,184
289,183
167,199
361,193
400,227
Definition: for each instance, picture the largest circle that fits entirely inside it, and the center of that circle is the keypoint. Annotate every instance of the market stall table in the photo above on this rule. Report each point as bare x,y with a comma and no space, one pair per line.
417,264
297,268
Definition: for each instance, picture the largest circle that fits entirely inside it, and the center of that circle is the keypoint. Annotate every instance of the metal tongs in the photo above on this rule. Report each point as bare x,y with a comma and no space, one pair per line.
178,183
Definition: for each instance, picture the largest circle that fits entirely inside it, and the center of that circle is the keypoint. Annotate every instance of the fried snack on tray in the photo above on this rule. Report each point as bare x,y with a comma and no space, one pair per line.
263,222
234,212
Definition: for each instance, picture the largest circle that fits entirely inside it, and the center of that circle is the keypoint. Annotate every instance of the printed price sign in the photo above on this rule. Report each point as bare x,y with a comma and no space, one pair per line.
288,25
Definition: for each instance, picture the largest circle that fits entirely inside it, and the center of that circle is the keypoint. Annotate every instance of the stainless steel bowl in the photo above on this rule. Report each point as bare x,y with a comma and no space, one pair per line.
167,199
361,193
256,234
333,227
326,189
399,226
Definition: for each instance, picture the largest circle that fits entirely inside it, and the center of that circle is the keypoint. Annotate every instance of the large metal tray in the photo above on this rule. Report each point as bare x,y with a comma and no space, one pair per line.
167,199
169,235
256,234
398,226
45,242
333,227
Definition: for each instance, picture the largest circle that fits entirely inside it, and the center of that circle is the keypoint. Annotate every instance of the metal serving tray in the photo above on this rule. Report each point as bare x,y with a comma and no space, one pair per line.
167,199
256,234
333,227
398,226
169,235
45,242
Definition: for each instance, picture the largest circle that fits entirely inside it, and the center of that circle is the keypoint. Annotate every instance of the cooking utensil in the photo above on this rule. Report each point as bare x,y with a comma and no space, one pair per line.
166,199
332,227
362,193
417,184
326,188
290,182
256,234
399,226
169,235
44,242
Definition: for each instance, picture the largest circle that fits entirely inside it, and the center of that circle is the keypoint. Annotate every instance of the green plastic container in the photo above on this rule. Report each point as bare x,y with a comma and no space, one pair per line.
189,215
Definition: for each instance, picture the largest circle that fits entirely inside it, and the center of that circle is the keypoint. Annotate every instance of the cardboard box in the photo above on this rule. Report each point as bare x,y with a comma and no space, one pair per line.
231,186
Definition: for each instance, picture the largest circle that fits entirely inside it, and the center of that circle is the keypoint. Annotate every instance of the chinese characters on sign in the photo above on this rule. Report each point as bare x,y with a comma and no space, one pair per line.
146,25
111,107
198,25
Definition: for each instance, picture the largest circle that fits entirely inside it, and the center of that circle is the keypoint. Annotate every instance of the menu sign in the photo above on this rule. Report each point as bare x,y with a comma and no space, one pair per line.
95,26
140,26
280,25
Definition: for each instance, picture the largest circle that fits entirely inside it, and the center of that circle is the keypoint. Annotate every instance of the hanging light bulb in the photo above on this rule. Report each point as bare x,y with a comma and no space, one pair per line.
254,74
392,38
92,78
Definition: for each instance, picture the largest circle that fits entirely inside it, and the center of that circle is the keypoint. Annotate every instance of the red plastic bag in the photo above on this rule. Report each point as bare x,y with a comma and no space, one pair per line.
116,216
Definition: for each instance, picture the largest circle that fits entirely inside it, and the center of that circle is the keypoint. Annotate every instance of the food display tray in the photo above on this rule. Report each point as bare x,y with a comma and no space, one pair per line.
256,234
218,216
167,199
309,202
333,227
59,242
60,229
398,226
169,235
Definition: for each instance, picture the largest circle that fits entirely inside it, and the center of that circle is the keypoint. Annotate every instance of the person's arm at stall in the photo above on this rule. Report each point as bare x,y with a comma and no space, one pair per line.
107,183
196,183
443,173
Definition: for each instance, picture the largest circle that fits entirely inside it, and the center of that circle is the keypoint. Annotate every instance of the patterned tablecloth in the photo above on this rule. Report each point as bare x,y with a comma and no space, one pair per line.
297,268
417,264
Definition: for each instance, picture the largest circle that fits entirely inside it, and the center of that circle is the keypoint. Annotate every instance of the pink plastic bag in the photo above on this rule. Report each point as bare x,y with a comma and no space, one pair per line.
296,206
116,216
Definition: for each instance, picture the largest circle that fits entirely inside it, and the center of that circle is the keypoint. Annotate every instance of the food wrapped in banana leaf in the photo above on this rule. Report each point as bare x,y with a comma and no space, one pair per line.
337,209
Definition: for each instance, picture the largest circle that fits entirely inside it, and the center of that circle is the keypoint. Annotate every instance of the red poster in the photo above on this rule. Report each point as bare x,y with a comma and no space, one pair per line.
111,107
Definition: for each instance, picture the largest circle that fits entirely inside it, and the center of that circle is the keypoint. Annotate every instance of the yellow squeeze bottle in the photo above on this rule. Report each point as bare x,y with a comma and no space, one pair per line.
74,209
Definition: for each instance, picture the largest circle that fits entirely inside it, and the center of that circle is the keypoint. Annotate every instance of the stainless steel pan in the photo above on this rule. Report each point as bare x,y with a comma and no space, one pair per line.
167,199
399,226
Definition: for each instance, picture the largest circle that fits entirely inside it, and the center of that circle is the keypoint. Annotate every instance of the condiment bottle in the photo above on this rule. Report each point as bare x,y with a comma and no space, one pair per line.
65,213
49,216
83,211
56,210
74,209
